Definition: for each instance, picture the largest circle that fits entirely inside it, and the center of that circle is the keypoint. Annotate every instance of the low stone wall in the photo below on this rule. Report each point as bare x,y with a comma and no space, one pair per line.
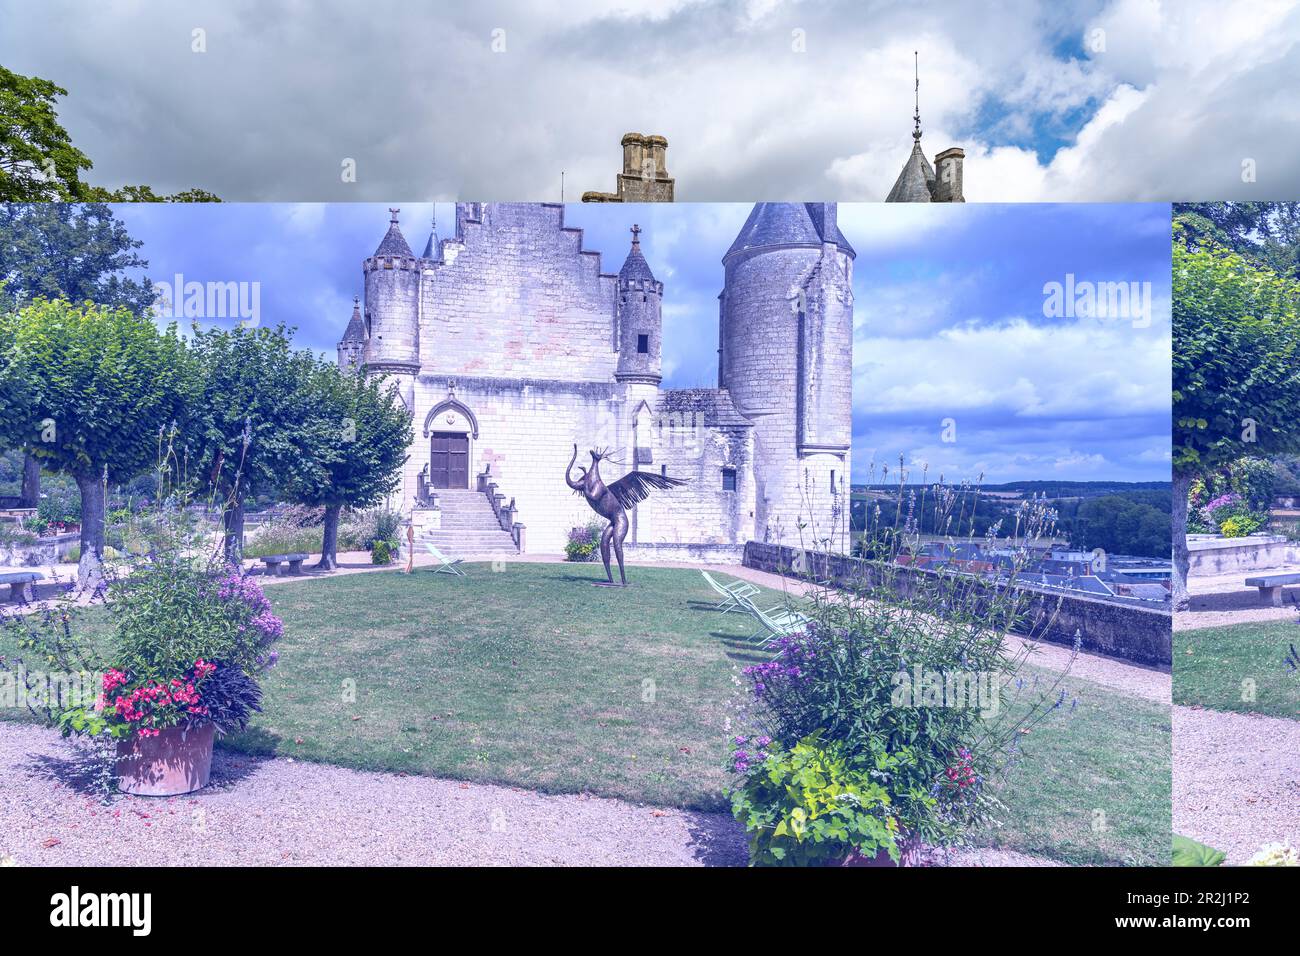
45,551
1210,554
692,553
1125,630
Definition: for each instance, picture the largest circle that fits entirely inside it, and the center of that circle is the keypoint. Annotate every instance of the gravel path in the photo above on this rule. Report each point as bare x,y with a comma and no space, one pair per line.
1219,599
1236,780
283,812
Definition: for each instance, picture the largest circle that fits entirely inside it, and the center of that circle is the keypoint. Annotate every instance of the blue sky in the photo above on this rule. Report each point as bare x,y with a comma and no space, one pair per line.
949,314
759,99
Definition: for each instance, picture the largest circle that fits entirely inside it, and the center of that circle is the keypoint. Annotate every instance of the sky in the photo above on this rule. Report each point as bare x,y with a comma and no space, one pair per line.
960,362
1124,100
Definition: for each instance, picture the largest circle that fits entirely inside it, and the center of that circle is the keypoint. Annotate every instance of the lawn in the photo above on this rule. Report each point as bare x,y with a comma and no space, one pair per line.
1240,668
532,677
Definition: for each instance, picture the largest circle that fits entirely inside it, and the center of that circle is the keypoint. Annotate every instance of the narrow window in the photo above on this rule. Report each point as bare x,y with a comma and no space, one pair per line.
833,488
663,470
728,479
643,344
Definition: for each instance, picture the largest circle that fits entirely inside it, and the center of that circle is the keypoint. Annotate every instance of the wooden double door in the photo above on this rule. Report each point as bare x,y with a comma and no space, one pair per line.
449,460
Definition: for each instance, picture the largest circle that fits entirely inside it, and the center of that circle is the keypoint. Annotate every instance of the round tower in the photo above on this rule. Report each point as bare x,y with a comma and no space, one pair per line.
786,357
392,305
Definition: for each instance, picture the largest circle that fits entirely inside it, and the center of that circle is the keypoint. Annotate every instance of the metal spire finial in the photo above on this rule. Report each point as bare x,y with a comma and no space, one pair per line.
916,75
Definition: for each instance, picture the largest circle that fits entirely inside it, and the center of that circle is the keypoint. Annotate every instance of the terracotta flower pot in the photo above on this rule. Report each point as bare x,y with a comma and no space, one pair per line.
178,760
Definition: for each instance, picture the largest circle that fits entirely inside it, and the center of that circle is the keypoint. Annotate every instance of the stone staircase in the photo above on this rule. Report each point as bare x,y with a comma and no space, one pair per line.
469,527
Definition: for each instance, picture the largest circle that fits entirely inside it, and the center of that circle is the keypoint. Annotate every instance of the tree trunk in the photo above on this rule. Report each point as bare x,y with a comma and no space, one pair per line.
232,523
1182,560
329,559
90,569
31,493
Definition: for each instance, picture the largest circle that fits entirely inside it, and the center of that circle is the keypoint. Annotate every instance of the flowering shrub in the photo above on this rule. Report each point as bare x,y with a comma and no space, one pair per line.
1232,515
227,618
189,638
904,677
583,543
143,707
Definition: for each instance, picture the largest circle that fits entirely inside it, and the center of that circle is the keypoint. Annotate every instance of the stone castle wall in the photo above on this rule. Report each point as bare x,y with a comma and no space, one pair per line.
526,430
517,297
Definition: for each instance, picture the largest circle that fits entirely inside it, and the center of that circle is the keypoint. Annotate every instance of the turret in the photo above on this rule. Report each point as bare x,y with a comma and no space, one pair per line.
786,357
918,181
392,305
640,319
352,347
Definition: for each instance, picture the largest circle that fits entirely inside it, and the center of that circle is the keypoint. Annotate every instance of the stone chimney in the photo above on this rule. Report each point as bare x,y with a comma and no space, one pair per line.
645,172
947,175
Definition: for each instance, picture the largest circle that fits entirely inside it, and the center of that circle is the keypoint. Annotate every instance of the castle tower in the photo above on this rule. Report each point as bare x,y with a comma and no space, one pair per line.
392,305
352,347
786,357
392,319
918,181
640,319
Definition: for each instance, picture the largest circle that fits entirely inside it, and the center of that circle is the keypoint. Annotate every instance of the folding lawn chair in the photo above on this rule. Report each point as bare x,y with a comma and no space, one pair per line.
447,565
778,621
730,591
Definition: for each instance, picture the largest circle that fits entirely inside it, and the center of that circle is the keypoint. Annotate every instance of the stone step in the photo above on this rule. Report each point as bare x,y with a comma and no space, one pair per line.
463,537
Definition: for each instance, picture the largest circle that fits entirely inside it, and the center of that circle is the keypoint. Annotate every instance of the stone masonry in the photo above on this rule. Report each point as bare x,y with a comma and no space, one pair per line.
645,173
509,343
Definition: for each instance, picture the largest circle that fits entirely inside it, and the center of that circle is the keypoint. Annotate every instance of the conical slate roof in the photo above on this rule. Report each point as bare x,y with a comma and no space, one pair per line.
431,247
786,224
913,183
635,266
394,243
356,330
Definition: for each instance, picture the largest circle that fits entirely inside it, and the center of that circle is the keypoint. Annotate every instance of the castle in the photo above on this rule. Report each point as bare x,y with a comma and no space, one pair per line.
509,343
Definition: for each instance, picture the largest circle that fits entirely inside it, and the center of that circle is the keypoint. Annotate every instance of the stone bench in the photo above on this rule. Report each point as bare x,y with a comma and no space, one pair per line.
1270,586
275,563
20,583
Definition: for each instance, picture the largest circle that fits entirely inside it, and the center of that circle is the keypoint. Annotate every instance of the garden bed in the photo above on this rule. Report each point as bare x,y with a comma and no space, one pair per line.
533,678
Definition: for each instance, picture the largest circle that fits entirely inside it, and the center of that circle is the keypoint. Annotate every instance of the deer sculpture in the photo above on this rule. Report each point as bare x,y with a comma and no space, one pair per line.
612,501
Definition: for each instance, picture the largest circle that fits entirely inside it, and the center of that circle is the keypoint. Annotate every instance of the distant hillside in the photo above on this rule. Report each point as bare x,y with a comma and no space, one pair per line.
1117,516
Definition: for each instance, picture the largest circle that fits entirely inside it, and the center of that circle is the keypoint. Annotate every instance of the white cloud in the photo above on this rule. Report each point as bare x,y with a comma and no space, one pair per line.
1182,93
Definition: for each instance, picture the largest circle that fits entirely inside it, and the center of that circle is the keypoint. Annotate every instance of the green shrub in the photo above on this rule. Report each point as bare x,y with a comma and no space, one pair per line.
381,553
810,806
1187,852
359,530
274,539
1239,526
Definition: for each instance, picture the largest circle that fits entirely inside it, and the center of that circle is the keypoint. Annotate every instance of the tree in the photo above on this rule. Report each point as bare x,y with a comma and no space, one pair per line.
78,252
74,252
356,444
1236,371
1266,233
38,162
96,385
251,408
